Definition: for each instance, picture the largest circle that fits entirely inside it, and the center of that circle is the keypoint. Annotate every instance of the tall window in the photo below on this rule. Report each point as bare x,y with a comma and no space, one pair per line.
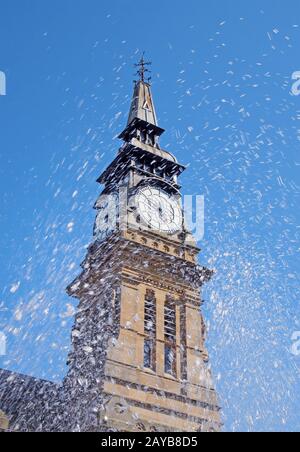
150,331
183,343
170,337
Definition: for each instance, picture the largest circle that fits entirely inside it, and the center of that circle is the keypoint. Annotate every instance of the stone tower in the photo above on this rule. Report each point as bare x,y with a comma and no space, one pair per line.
138,360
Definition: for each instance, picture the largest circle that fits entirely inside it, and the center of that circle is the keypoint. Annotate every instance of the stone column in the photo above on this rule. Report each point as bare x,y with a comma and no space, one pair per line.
4,424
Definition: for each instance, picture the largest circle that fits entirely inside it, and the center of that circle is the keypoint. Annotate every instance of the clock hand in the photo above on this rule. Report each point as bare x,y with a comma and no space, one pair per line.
154,205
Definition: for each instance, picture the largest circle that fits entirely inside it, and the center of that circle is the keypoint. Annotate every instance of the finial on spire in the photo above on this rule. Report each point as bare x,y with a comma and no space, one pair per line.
143,70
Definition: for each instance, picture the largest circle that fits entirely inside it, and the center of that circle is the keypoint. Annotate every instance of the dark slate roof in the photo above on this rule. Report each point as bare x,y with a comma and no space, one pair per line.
142,106
26,401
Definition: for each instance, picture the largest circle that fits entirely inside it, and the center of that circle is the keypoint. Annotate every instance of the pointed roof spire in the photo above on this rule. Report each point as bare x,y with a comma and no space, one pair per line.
142,113
142,105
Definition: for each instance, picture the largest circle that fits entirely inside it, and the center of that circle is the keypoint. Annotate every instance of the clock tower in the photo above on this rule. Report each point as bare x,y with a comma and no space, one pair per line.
138,360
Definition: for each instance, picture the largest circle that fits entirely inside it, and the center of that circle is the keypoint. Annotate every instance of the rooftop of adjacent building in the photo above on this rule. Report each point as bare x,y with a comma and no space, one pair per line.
20,395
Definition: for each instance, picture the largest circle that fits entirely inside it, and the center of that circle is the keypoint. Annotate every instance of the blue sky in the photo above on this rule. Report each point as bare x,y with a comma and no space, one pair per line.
221,82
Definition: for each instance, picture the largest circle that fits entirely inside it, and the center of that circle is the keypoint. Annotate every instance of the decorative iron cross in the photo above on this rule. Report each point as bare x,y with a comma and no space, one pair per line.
142,65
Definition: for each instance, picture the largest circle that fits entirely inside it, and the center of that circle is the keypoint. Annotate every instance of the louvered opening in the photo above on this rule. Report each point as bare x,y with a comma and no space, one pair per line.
170,338
150,331
150,317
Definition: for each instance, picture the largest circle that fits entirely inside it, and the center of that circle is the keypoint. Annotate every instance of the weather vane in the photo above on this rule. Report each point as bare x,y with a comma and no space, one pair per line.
143,70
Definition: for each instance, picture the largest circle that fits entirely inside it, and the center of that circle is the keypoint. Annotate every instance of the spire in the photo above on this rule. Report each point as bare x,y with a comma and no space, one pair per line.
142,106
142,115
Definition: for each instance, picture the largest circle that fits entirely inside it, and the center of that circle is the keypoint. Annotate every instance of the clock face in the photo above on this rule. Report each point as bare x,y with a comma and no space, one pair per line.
106,220
159,210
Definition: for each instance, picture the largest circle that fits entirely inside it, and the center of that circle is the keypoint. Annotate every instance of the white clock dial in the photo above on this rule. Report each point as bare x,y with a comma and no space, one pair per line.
106,220
159,210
